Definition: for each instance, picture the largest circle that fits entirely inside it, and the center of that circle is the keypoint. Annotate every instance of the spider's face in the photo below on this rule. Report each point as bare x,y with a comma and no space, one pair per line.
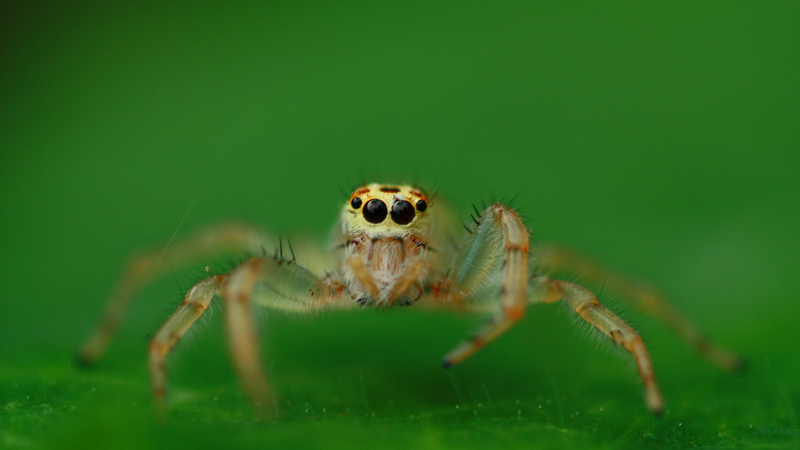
381,210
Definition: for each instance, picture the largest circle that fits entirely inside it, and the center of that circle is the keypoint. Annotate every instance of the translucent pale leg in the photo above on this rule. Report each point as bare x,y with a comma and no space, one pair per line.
142,269
243,337
589,308
553,259
273,283
194,305
499,243
267,282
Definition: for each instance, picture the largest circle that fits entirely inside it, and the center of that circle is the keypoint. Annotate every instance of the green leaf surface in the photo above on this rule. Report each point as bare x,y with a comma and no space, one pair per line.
660,139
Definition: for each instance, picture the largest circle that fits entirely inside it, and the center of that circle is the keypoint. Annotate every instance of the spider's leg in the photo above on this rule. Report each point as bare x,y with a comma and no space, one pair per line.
589,308
645,298
194,305
268,282
243,337
272,283
495,258
144,268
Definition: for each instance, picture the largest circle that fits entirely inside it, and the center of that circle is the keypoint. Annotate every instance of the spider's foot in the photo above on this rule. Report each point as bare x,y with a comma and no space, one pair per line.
729,362
738,364
160,409
654,400
657,410
266,410
83,359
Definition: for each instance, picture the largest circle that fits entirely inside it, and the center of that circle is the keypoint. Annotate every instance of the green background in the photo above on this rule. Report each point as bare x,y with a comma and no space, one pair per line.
663,139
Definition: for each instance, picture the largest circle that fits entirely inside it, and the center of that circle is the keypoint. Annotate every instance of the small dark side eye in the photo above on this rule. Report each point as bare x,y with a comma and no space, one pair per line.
422,205
356,202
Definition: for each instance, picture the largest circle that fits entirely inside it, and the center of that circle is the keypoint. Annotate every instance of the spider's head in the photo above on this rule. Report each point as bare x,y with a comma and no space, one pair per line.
382,210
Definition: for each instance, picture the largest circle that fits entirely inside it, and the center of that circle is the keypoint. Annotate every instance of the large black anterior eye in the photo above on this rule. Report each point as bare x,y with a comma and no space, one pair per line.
375,211
402,212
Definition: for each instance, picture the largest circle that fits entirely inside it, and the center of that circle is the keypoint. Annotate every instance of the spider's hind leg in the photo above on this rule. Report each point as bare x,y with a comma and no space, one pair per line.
589,308
147,266
552,259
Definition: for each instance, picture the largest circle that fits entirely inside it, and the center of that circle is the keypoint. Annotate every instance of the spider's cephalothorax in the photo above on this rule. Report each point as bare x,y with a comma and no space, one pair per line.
384,246
386,231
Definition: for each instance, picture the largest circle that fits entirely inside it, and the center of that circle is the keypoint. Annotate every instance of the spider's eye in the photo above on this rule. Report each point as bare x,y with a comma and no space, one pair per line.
402,212
422,205
356,202
375,211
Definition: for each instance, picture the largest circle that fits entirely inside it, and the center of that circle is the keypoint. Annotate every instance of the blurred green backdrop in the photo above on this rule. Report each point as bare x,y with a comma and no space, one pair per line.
663,139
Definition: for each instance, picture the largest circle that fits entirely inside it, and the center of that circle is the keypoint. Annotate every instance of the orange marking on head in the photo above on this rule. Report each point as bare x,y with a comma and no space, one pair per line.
417,193
417,224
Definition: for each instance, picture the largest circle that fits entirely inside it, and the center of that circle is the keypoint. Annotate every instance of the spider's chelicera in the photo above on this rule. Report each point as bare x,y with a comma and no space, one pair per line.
392,246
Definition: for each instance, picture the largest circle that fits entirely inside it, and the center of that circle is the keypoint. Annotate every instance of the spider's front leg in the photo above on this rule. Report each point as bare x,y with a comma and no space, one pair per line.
495,257
267,282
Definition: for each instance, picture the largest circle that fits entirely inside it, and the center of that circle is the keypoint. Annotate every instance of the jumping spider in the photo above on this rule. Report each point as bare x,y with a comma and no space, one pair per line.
392,248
